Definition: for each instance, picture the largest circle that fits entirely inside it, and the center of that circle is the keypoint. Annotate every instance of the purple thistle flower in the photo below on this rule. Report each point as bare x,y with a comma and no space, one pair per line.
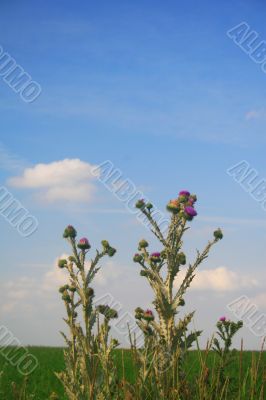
222,319
189,210
83,244
149,312
184,193
156,254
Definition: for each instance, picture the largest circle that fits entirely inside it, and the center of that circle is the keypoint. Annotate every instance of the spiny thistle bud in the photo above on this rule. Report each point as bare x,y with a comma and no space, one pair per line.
190,213
72,259
192,199
105,244
66,298
140,204
149,206
143,244
218,234
72,289
181,302
148,315
111,251
182,258
108,312
62,289
89,292
62,263
173,206
155,257
70,232
111,314
138,313
84,244
137,257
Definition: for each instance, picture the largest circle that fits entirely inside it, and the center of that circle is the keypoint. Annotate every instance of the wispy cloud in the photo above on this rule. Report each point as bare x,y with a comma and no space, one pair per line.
256,114
10,161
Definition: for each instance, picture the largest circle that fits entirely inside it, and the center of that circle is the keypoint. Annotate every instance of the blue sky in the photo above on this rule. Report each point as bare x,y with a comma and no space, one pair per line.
159,89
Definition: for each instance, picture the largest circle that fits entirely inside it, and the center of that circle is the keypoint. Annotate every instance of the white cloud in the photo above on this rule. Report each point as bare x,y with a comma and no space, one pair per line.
68,180
220,279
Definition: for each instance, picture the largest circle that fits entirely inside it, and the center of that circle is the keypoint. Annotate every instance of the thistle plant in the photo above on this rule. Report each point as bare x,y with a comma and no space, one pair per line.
167,338
90,372
226,330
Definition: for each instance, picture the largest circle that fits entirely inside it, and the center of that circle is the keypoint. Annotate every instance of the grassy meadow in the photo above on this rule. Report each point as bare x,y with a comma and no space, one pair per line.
42,381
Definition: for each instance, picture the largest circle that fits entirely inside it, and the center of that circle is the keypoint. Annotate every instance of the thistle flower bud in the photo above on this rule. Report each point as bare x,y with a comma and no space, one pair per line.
70,232
182,199
105,244
62,289
66,298
84,244
137,257
155,257
72,259
218,234
181,258
89,292
140,204
62,263
149,206
108,312
148,315
72,289
173,206
111,251
181,302
138,313
192,199
143,244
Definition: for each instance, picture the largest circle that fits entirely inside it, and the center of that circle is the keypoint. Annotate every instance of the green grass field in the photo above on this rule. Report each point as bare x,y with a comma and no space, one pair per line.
42,381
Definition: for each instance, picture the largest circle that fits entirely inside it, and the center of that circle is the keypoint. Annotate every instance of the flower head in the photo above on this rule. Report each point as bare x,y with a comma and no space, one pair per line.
155,257
143,244
190,212
140,203
137,257
70,232
84,244
148,315
184,193
222,319
62,263
173,206
218,234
